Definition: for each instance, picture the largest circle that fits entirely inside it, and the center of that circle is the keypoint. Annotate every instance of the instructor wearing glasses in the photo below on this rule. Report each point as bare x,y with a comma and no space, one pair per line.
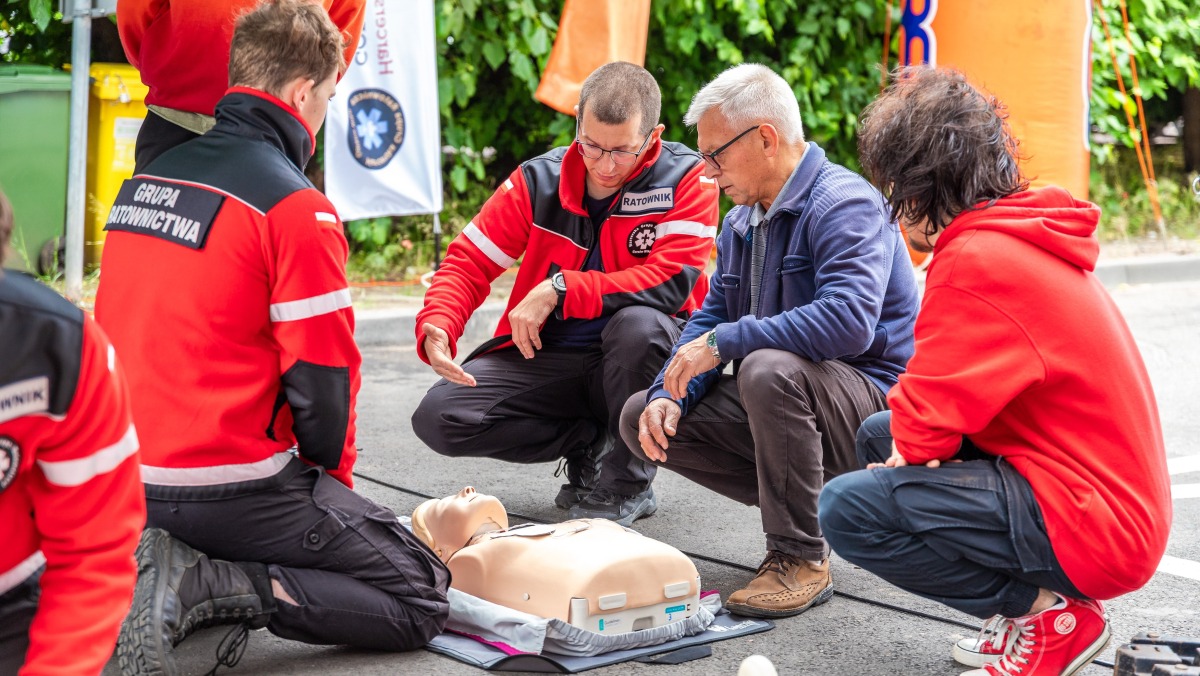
613,233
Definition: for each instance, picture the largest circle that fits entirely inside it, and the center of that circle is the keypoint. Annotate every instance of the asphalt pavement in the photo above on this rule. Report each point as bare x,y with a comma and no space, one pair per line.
855,633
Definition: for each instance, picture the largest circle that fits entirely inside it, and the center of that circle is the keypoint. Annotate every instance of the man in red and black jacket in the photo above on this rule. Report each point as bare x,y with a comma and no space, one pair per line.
224,272
70,494
181,48
615,231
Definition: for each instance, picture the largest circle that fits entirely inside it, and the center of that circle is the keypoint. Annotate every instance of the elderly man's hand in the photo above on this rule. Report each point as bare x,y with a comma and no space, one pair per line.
689,361
657,422
527,317
438,349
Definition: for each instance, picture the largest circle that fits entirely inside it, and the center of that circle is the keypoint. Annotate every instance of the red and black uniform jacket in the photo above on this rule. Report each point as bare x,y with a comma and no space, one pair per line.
225,285
70,494
181,47
654,245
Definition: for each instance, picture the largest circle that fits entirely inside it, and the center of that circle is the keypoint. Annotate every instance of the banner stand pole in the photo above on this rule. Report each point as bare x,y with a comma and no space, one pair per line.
437,241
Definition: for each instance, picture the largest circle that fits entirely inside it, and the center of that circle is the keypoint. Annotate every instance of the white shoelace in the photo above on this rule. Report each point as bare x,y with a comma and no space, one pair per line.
1016,658
995,631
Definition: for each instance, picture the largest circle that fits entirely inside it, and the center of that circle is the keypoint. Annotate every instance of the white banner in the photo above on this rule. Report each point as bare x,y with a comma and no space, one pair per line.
382,140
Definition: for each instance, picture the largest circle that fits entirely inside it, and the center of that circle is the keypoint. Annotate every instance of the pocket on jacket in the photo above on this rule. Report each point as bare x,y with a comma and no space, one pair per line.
726,282
793,264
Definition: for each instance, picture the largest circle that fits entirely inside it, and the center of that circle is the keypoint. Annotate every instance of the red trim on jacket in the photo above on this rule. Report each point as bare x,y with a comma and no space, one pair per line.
1020,348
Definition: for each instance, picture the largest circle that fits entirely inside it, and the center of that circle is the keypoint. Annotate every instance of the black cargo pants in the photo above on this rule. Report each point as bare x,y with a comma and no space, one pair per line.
359,578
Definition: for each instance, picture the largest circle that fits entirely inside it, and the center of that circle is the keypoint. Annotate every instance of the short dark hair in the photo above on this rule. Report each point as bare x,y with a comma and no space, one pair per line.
281,40
938,146
618,90
6,225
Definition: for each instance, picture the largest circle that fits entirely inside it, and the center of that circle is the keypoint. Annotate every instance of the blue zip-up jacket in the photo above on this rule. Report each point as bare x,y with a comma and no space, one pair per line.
837,281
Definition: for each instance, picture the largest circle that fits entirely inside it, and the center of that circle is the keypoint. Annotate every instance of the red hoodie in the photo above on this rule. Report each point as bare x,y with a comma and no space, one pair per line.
1020,348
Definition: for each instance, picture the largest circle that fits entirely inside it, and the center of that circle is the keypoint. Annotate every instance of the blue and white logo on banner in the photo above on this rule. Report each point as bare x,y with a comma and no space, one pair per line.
382,138
376,129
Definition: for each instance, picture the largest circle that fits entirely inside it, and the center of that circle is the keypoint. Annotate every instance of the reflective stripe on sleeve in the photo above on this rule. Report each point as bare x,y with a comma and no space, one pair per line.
21,572
685,228
295,310
487,246
70,473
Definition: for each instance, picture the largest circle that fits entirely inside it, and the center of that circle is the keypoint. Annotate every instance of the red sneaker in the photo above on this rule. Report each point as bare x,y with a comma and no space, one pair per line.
1059,641
995,639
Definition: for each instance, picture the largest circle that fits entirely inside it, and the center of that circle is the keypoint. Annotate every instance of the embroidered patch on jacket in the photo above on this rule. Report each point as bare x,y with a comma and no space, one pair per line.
653,201
24,397
180,214
641,240
10,461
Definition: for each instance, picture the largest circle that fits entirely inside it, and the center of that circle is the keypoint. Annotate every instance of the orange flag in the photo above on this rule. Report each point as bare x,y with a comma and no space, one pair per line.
592,33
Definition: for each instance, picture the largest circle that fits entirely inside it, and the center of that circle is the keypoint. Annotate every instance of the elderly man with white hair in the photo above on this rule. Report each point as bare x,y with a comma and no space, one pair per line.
813,301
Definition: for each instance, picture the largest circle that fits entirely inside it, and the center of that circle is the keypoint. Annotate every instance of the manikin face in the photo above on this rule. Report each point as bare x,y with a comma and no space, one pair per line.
448,524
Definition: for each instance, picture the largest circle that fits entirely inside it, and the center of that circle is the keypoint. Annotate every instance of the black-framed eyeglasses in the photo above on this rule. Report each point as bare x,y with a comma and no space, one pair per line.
711,158
622,157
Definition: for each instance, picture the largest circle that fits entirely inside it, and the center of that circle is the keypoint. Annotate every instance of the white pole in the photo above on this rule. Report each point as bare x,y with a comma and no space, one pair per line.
81,57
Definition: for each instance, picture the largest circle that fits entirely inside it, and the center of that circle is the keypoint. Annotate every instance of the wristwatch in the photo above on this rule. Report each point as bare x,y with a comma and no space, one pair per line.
712,344
559,283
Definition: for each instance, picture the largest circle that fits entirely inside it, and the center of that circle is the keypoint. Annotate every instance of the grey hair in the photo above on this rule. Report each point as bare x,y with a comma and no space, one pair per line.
750,94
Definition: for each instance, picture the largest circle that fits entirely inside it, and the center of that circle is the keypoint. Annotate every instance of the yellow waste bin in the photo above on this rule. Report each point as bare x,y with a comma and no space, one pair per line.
116,109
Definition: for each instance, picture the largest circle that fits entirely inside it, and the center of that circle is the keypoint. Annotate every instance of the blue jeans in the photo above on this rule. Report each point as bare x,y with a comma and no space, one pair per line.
966,534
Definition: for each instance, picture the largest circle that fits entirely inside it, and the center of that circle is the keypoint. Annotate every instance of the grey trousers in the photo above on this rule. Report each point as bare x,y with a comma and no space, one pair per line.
771,436
358,576
556,404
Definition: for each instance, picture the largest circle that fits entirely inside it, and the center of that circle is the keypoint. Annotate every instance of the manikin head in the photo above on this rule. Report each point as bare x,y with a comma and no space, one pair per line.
448,525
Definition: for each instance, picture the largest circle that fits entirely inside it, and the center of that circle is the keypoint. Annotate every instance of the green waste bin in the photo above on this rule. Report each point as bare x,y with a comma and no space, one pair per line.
35,104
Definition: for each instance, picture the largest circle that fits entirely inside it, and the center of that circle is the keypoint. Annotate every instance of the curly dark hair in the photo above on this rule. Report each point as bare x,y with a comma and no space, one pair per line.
938,147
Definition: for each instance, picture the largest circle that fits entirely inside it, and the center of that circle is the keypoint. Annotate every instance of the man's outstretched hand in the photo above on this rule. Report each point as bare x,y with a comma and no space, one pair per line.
439,351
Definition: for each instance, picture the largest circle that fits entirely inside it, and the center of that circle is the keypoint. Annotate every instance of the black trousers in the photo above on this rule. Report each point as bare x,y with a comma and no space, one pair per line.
967,534
359,577
556,404
17,607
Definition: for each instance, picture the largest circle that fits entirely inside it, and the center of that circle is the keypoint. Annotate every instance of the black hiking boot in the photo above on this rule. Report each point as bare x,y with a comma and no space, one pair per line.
180,590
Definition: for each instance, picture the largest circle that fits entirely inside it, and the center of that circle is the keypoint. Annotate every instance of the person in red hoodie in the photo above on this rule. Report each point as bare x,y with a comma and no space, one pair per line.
181,48
70,493
1020,472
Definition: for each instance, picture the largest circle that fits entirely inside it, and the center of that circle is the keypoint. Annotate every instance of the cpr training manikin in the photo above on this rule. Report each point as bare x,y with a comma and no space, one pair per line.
591,574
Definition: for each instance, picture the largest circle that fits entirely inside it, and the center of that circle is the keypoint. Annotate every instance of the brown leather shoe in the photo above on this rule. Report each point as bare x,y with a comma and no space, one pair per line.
784,586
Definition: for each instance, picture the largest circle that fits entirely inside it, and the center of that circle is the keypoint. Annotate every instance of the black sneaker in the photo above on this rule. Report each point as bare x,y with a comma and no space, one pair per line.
602,503
180,590
583,471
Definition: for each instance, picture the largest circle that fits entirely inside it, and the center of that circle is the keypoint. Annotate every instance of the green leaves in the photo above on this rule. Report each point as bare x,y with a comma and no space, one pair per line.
40,10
